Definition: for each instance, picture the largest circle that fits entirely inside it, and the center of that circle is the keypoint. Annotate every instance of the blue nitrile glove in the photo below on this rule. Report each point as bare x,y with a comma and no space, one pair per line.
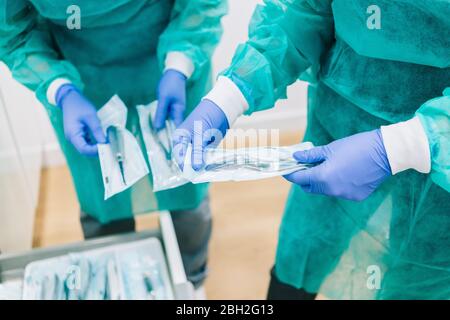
171,99
352,168
204,127
80,120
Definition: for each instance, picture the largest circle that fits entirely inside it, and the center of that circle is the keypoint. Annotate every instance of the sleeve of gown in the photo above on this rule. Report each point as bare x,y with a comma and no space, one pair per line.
435,118
193,33
285,39
423,142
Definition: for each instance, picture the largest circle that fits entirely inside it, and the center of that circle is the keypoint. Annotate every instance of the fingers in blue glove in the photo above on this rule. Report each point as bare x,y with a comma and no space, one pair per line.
81,124
79,140
304,178
93,124
204,127
79,133
351,168
171,94
203,140
159,122
314,155
176,113
198,147
180,141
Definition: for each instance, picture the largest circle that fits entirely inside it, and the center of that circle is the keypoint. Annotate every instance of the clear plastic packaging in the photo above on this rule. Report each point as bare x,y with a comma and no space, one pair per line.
132,271
165,171
114,114
11,290
220,164
245,163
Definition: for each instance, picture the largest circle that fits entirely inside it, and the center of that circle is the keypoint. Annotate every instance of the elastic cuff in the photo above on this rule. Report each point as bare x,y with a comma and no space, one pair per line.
53,89
407,146
229,98
180,62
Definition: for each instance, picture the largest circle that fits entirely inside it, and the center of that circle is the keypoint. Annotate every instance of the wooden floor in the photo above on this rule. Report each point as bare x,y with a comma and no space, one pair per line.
246,219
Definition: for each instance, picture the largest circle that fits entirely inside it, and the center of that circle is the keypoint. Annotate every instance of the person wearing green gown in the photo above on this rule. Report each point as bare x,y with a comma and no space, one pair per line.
371,220
76,57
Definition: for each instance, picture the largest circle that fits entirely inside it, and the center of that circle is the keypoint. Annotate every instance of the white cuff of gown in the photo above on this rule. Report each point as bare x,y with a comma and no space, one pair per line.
53,89
228,97
407,146
180,62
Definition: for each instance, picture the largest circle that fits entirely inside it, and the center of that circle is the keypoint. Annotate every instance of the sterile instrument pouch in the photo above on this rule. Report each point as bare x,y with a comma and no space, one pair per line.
129,271
165,171
114,113
245,163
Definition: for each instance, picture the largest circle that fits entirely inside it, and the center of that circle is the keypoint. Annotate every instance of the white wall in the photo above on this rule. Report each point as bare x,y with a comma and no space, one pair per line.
20,163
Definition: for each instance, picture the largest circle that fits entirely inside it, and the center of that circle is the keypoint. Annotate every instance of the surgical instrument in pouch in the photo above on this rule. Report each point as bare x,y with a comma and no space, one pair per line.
115,139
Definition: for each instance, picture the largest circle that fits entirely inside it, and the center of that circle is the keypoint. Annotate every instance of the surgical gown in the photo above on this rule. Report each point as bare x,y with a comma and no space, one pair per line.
395,244
120,48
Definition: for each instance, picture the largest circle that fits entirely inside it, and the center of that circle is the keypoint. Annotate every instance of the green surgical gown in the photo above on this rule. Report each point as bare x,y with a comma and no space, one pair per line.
395,244
120,49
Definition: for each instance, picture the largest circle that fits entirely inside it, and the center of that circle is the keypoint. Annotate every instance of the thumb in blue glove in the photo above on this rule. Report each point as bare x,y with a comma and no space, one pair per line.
80,120
171,99
204,127
351,168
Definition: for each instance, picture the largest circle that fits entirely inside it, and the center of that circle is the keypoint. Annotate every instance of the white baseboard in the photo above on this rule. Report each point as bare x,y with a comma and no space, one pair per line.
53,156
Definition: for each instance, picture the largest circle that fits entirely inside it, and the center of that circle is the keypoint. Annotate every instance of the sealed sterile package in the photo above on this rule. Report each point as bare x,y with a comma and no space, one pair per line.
121,160
130,271
220,164
142,277
165,171
11,290
47,281
245,163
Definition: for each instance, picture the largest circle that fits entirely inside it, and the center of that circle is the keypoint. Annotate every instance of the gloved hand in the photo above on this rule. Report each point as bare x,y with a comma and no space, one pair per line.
80,120
171,99
352,168
204,127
